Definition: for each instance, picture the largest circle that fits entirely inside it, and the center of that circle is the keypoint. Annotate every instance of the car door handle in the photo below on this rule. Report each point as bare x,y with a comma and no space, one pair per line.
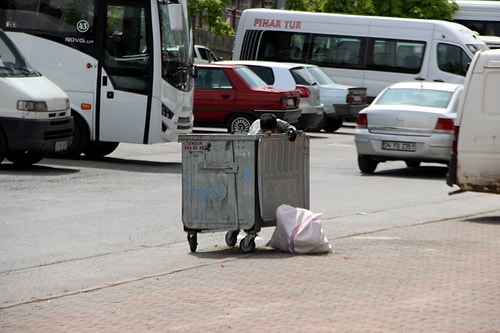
438,80
226,96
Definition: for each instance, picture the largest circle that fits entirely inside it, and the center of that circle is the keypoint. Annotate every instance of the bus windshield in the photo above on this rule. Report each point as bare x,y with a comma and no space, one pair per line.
176,41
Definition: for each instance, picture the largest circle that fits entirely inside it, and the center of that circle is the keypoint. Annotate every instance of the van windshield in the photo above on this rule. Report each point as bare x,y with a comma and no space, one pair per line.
12,63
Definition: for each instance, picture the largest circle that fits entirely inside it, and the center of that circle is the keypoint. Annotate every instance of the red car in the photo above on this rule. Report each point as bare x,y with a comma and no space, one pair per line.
233,96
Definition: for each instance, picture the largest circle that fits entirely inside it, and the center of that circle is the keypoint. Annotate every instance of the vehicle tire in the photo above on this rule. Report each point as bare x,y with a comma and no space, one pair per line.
3,146
333,124
96,150
81,139
319,127
366,164
412,164
239,123
25,158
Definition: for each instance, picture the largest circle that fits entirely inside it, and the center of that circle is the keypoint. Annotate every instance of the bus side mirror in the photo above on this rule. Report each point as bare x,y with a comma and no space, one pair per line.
175,16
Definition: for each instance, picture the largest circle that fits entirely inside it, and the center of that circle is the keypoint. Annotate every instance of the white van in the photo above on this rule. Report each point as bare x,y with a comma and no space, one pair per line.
362,51
475,161
35,116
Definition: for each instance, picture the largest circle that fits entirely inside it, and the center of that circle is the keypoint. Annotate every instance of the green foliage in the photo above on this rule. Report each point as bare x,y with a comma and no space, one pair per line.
423,9
359,7
298,5
211,11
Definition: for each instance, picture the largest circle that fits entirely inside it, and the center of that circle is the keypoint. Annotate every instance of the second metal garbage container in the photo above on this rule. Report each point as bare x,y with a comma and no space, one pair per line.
233,182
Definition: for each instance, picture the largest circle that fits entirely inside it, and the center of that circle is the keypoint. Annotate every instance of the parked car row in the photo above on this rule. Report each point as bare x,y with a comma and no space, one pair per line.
324,104
412,121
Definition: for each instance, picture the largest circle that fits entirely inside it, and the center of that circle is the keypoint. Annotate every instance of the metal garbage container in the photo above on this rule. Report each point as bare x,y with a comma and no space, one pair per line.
234,182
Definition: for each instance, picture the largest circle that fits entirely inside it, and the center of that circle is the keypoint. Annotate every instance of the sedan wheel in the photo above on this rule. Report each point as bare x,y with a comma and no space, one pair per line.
319,127
239,124
412,164
333,124
366,164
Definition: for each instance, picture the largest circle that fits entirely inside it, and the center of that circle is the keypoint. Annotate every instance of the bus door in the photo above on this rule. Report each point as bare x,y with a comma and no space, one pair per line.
125,71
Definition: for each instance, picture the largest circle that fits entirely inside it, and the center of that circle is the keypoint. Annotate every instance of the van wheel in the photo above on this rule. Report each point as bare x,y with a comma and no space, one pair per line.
100,149
25,158
239,124
81,139
366,164
3,146
333,124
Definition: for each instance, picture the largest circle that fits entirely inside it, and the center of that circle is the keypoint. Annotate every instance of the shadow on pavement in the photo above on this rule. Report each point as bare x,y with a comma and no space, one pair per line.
484,220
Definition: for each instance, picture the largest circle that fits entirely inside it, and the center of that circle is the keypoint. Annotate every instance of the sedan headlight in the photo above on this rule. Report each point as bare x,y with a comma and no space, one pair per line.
31,106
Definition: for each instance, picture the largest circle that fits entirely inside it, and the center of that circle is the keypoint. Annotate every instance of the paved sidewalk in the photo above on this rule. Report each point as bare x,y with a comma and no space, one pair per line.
436,277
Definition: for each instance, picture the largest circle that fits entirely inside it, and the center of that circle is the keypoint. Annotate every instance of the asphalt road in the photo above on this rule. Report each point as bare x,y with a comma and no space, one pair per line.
73,225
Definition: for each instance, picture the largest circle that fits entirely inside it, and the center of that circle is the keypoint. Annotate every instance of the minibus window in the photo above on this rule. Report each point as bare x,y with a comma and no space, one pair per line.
394,55
452,59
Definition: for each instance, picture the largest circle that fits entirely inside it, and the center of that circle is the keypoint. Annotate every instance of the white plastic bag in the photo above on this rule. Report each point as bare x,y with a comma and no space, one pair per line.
299,231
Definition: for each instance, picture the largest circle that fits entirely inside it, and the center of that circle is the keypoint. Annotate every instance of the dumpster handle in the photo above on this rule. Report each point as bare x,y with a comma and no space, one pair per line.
232,168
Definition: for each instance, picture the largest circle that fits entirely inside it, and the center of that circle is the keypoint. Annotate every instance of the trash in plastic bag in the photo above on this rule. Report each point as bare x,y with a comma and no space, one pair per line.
298,231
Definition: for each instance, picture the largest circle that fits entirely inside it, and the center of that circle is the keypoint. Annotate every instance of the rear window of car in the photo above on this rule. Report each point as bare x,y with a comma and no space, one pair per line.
422,97
302,76
265,73
252,79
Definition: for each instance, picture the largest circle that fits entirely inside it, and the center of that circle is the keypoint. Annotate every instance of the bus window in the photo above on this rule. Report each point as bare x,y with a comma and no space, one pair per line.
53,16
452,59
125,57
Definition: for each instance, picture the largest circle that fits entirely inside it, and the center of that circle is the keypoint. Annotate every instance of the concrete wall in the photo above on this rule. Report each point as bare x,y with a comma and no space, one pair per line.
222,46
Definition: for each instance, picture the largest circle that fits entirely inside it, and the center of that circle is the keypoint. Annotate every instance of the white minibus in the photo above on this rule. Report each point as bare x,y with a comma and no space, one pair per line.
363,51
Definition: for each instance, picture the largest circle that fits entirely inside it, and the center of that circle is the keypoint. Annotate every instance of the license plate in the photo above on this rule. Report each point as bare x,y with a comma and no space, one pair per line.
61,146
290,102
398,145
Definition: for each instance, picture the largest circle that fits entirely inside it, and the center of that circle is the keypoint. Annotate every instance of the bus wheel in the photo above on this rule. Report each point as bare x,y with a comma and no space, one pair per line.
25,158
81,138
99,149
239,124
3,146
333,124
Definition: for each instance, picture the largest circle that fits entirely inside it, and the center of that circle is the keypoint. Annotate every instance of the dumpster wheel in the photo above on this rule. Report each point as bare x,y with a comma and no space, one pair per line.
247,244
232,237
192,240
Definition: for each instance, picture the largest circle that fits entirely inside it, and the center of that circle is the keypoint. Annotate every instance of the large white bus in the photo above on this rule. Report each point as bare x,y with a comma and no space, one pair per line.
125,65
480,16
363,51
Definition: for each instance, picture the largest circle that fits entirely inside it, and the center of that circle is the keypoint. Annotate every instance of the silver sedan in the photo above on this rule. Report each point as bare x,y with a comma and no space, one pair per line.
408,121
